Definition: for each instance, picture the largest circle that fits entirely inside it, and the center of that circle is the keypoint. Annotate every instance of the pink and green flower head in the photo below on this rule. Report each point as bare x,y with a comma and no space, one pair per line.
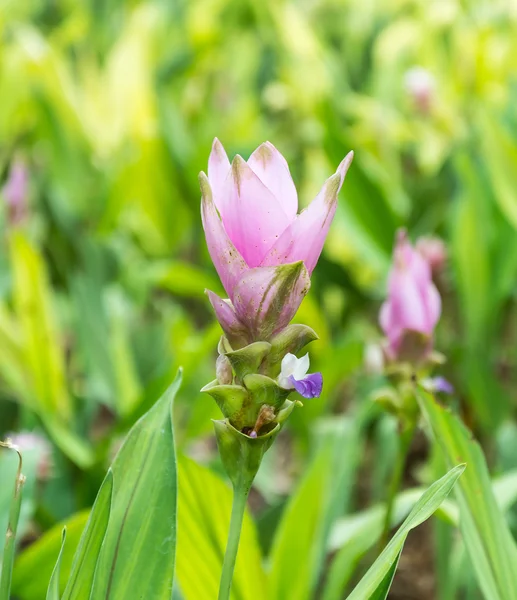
412,310
262,249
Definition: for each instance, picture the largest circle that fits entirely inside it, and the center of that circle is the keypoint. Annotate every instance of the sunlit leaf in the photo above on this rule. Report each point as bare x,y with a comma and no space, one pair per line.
203,520
489,543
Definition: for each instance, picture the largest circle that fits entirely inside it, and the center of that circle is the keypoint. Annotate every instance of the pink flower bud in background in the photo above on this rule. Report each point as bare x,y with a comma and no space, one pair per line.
15,191
420,85
434,251
28,441
412,309
263,251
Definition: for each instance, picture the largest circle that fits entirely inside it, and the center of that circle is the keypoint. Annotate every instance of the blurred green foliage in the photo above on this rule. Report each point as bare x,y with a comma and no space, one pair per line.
112,106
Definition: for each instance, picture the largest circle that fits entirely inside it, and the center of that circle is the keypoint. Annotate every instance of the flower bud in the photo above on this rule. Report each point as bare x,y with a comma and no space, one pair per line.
223,370
410,313
420,85
15,191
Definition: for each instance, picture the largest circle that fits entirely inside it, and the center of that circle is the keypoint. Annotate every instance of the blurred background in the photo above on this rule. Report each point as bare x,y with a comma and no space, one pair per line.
108,109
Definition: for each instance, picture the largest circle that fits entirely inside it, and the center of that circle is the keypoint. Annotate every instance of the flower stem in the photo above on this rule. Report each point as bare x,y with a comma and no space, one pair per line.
406,437
240,496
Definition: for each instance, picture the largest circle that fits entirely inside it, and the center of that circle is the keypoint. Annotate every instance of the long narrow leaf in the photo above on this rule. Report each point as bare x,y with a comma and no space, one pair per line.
53,586
374,582
489,543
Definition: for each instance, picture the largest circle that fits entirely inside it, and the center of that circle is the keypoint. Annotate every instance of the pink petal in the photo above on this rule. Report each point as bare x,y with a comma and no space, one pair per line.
234,329
272,169
228,262
385,320
251,214
267,298
218,170
434,306
304,238
408,310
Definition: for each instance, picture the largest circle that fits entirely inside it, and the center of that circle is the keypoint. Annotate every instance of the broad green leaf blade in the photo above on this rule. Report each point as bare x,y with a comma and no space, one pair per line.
204,507
53,586
488,540
85,560
40,558
376,577
137,555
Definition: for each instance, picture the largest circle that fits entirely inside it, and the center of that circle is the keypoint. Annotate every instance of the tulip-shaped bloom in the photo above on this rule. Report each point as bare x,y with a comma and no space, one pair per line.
264,252
409,315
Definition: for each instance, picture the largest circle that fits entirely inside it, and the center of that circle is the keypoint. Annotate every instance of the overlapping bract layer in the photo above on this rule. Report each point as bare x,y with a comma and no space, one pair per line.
264,252
255,398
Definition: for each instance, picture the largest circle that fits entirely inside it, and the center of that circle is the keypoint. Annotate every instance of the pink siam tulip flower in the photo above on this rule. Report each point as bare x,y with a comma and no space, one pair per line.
263,251
15,191
411,312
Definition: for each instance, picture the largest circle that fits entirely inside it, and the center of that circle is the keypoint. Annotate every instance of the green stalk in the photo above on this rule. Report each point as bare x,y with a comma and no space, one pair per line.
12,525
406,437
240,496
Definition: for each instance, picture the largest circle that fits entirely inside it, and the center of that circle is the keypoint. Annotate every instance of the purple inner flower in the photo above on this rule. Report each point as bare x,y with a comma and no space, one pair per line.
310,386
440,384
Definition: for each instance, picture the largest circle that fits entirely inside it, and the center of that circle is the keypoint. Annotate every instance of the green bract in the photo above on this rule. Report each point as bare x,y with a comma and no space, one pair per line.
253,401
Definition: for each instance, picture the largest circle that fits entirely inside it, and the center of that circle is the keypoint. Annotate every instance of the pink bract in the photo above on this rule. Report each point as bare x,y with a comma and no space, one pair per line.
413,304
254,232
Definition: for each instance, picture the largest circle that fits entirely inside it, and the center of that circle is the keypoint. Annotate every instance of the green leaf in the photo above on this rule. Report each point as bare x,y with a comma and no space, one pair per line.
81,577
488,540
40,558
53,586
44,355
381,593
184,279
12,527
137,555
300,543
8,468
374,583
204,507
353,535
500,158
